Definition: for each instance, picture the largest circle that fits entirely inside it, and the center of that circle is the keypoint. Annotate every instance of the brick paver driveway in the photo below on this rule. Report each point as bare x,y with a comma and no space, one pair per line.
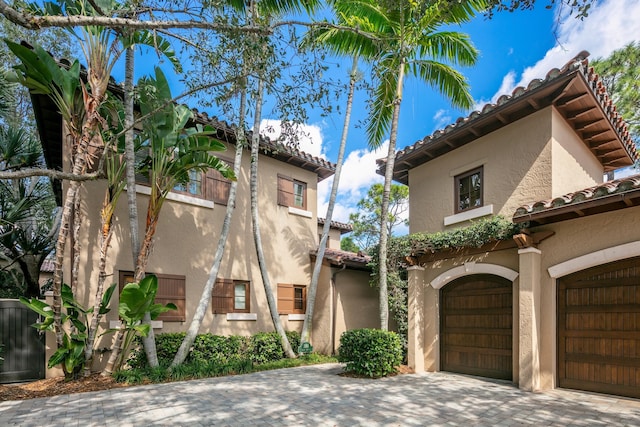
317,396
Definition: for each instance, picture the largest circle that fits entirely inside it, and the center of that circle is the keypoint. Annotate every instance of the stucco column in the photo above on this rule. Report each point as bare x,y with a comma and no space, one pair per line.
415,338
529,319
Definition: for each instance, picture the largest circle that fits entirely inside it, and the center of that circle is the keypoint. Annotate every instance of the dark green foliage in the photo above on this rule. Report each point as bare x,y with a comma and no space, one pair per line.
216,350
370,352
265,346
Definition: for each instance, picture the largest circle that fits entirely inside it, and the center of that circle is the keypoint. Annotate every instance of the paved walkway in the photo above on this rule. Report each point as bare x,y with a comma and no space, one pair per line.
316,396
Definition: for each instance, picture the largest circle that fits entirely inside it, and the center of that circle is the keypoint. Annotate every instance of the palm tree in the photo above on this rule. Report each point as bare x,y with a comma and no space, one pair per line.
399,38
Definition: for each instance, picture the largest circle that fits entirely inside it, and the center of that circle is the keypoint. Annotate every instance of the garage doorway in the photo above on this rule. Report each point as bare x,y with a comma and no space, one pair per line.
476,326
599,329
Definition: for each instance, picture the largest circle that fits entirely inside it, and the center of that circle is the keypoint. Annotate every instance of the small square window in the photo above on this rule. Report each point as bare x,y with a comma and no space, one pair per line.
230,296
292,192
469,190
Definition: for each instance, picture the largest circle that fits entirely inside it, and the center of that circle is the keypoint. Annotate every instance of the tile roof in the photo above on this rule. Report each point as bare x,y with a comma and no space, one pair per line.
350,259
612,195
286,153
575,90
342,226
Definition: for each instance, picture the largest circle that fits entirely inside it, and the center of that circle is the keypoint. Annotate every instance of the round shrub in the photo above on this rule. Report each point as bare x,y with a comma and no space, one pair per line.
217,349
370,352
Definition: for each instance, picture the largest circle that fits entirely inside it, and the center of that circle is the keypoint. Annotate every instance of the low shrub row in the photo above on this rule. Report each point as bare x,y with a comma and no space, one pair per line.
217,350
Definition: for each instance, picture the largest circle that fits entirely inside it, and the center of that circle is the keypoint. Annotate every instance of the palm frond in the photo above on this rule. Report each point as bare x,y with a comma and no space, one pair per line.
448,81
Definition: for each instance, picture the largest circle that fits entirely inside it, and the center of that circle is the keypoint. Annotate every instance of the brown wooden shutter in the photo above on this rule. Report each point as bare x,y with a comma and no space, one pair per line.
285,191
222,296
285,298
217,187
171,288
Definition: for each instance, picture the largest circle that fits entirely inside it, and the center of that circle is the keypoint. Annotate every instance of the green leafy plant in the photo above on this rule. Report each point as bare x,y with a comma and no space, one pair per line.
70,355
136,299
265,346
370,352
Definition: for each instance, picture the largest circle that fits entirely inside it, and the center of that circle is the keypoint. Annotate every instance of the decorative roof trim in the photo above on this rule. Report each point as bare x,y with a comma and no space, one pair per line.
612,195
342,226
343,258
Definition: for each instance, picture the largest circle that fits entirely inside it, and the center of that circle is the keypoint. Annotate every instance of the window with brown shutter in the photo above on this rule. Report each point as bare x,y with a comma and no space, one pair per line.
292,299
171,288
292,192
217,187
230,296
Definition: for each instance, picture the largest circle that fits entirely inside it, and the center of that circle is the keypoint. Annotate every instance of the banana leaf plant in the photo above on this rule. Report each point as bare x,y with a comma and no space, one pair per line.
70,355
136,299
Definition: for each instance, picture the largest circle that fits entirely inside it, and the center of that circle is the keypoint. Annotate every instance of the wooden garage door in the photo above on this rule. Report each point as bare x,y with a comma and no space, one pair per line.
476,316
599,329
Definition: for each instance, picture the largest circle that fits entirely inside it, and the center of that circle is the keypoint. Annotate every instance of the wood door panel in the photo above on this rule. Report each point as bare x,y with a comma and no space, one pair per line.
599,329
476,326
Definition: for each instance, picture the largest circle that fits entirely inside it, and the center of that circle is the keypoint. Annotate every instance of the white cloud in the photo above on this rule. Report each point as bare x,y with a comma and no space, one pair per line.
441,118
309,136
358,174
610,25
507,85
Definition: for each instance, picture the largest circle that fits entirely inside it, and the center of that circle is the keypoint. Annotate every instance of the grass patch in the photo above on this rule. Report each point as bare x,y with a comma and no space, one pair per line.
197,369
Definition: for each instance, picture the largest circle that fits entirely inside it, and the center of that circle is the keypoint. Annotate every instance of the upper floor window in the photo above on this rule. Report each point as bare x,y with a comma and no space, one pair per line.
292,192
209,185
468,190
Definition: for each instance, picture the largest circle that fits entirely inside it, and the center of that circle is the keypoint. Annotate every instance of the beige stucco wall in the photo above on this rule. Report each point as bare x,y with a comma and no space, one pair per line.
574,166
517,169
536,158
186,240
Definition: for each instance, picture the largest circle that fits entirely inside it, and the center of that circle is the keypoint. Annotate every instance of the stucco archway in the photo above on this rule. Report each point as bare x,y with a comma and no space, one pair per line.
473,268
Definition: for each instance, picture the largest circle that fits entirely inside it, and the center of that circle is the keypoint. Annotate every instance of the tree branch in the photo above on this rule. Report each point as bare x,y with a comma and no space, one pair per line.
50,173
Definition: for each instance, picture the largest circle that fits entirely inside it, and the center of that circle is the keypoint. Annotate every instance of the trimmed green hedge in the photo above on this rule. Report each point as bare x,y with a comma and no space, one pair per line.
370,352
260,348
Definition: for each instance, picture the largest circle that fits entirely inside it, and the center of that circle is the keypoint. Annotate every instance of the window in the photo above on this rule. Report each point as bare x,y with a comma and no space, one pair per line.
230,296
171,288
468,190
207,186
217,187
292,193
292,299
193,187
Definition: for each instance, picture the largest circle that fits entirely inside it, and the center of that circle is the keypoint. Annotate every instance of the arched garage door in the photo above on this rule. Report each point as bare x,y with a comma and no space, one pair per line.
599,329
476,317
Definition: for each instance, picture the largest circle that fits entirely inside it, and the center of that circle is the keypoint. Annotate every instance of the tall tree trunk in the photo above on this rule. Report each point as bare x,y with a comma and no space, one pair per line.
149,342
75,263
384,210
106,231
205,298
255,152
317,267
130,155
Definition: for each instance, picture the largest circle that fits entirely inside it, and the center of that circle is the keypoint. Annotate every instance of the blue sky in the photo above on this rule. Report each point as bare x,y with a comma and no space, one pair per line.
514,49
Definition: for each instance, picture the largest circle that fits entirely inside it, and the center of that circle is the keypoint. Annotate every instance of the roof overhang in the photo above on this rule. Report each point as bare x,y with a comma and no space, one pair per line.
576,93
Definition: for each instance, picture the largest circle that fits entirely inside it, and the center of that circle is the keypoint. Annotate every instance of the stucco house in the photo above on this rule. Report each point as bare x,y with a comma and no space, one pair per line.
559,305
187,236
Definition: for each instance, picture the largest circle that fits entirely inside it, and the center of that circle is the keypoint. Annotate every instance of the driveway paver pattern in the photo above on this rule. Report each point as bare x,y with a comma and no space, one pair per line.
317,396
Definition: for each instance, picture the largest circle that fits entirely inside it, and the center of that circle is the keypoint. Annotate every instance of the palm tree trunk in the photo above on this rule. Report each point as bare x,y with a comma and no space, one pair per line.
130,155
205,298
311,292
255,152
75,264
106,231
384,210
